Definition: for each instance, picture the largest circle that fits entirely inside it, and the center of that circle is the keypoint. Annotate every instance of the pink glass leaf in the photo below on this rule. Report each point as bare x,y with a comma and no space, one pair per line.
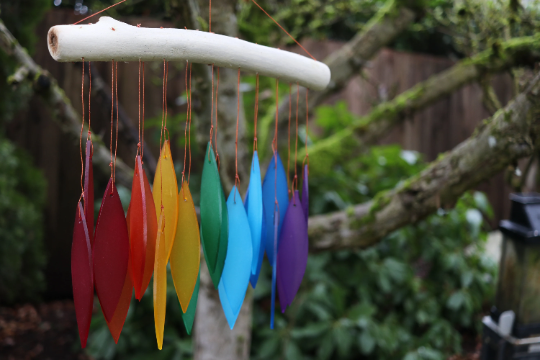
81,274
111,251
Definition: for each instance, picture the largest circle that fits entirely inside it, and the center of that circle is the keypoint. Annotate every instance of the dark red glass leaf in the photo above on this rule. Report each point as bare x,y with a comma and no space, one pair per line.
151,221
111,251
89,192
81,274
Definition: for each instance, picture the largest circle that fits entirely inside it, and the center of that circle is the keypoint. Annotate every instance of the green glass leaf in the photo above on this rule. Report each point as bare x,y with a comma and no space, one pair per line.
189,316
214,220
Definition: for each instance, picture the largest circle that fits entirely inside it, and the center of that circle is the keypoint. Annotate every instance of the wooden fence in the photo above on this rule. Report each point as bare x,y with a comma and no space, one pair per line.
436,129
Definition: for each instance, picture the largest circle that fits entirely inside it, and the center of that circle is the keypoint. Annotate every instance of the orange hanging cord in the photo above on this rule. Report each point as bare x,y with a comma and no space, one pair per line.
236,177
139,98
189,126
89,135
274,149
211,115
306,158
282,28
116,97
289,144
215,132
256,112
99,12
112,115
80,136
295,181
187,123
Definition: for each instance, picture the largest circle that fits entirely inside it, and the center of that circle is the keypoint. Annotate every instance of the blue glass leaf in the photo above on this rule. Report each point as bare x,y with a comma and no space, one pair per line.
275,179
236,272
254,209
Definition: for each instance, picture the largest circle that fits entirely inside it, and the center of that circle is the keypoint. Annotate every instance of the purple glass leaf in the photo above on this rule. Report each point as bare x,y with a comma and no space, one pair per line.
292,252
305,194
274,267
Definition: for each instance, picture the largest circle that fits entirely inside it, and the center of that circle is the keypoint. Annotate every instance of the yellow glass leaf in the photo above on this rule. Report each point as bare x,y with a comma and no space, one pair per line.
169,188
160,281
185,255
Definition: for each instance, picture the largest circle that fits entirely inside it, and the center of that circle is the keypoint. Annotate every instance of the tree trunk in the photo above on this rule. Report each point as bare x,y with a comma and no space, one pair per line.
500,141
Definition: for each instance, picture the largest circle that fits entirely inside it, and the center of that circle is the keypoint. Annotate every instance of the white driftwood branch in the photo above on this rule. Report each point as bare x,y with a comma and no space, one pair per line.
110,39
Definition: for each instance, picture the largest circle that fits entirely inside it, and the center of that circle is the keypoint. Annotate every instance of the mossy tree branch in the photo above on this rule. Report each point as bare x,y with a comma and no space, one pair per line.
384,27
368,129
63,112
510,134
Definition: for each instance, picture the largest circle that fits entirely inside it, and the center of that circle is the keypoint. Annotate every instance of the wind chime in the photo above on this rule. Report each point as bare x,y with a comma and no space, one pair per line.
125,251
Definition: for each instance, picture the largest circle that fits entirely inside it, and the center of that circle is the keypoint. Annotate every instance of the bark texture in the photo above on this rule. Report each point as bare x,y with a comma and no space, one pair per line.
63,113
510,134
212,337
368,129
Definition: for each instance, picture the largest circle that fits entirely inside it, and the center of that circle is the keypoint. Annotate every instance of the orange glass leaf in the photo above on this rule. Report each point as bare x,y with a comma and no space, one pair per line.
160,281
82,274
186,252
119,317
165,183
111,251
142,230
89,191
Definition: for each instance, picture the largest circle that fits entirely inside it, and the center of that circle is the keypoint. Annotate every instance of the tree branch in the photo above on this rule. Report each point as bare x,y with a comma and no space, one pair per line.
368,129
384,27
509,135
63,113
489,97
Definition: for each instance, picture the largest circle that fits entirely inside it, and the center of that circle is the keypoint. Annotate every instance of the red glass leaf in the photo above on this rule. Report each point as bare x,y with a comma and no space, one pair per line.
81,274
138,229
111,251
89,192
119,317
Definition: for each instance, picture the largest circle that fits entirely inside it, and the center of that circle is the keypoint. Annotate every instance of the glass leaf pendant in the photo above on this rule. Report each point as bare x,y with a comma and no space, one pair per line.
117,322
254,209
274,186
82,274
185,256
142,226
292,252
165,184
237,270
160,280
89,191
188,317
111,251
214,219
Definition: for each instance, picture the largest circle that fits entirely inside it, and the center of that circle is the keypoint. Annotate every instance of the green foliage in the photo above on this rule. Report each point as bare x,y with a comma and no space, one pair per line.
21,18
410,296
22,196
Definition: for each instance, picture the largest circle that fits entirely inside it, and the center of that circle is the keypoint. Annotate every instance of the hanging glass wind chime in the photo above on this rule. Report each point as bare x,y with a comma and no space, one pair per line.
126,250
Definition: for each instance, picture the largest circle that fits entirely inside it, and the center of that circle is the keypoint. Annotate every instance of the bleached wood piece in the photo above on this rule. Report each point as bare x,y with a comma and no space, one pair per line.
110,39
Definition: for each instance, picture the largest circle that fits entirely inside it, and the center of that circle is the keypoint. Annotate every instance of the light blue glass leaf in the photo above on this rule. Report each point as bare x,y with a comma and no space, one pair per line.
254,209
236,272
275,183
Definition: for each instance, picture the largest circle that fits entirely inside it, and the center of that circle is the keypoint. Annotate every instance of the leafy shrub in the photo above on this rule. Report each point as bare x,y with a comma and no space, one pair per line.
22,195
408,297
